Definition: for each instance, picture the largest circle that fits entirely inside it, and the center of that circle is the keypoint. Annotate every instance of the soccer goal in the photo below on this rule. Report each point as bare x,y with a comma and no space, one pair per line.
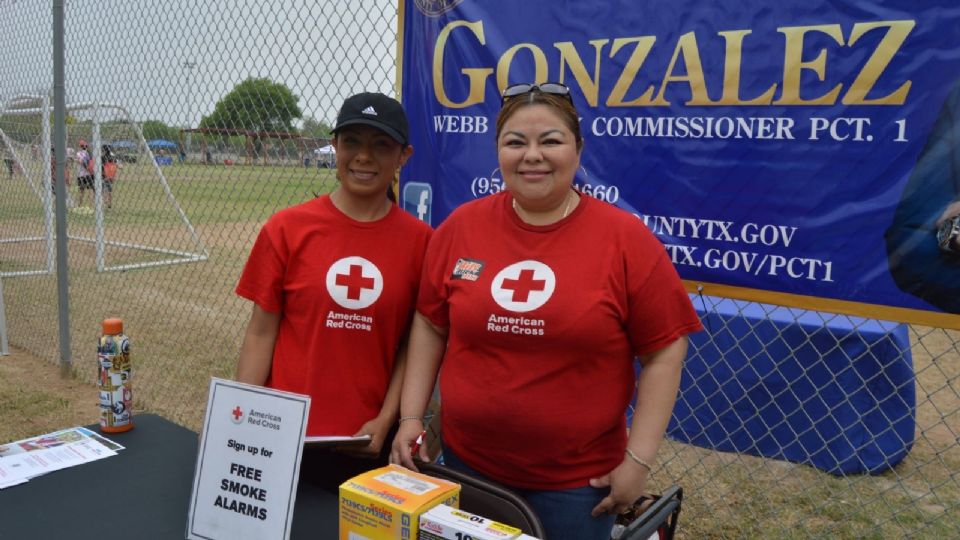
25,146
132,220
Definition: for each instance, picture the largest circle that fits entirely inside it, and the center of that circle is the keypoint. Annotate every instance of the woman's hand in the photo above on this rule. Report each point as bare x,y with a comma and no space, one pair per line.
952,210
627,483
400,453
377,429
656,393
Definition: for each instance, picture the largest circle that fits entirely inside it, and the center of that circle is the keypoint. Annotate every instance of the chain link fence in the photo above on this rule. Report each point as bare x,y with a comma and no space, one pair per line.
218,114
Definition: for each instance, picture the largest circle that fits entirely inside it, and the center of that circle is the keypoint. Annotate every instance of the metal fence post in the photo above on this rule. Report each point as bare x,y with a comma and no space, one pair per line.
4,344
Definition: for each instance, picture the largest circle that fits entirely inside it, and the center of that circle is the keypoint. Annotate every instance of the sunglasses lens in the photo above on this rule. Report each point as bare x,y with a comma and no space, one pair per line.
554,88
516,90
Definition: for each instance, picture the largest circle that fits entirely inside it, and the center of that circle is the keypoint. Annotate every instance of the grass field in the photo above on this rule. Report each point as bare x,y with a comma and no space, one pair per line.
186,324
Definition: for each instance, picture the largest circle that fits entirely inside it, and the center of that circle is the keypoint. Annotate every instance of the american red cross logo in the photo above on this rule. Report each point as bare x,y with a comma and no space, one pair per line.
355,282
237,413
523,285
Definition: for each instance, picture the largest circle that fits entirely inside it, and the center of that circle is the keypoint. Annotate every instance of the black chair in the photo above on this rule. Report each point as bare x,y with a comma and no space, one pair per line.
489,500
652,514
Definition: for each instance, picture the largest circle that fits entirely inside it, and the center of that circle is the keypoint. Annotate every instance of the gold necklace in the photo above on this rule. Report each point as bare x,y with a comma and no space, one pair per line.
566,209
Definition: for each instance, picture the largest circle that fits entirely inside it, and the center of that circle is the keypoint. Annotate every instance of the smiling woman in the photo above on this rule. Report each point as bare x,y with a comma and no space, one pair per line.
371,145
333,282
538,147
550,298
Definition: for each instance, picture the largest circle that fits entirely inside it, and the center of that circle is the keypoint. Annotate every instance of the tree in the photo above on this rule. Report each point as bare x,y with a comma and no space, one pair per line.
257,105
26,128
155,129
318,129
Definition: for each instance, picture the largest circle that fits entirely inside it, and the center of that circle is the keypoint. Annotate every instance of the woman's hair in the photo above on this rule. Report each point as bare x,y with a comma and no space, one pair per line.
560,104
390,194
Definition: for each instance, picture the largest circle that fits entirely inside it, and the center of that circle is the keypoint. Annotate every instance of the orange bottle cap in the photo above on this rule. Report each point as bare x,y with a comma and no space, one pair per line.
113,326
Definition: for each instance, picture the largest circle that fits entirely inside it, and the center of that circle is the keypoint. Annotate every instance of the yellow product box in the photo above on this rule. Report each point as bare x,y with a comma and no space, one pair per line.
443,522
386,503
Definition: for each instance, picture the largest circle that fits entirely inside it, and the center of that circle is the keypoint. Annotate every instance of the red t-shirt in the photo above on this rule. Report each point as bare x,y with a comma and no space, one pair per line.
544,324
346,291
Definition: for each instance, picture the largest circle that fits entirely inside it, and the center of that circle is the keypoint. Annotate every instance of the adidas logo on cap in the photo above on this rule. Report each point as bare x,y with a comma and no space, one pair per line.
375,110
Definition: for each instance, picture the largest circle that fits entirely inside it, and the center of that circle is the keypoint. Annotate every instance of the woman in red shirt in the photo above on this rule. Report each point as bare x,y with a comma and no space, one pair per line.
334,281
533,304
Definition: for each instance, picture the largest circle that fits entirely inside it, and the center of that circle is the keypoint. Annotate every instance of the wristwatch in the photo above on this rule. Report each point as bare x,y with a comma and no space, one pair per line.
948,235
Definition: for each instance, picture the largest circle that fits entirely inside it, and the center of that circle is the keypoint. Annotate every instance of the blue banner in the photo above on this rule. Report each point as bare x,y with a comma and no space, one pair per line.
799,153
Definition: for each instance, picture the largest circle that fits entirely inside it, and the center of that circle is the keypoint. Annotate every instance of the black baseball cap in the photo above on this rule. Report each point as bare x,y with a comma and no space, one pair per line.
376,110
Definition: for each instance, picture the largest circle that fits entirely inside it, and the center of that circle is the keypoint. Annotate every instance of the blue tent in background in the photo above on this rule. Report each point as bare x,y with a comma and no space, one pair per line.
161,143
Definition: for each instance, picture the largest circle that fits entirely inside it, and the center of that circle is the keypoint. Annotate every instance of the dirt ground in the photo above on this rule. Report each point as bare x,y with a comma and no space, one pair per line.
35,399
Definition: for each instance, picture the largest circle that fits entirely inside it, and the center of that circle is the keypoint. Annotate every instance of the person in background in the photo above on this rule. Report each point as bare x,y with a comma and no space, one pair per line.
923,240
10,163
533,305
84,161
109,174
333,282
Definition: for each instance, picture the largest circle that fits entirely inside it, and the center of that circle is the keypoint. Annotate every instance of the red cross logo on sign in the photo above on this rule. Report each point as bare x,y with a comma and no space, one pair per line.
237,414
523,286
354,282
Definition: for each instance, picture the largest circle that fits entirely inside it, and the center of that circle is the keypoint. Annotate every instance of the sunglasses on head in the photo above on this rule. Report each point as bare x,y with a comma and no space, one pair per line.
552,88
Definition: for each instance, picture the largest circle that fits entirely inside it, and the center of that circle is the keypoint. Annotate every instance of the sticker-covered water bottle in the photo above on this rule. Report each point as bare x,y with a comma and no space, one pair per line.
116,392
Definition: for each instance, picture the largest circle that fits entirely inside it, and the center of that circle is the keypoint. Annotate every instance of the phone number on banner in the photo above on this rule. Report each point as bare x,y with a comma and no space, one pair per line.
481,186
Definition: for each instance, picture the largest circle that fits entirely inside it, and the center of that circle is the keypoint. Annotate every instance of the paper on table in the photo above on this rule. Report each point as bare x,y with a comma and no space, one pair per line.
6,484
28,458
27,465
337,440
55,439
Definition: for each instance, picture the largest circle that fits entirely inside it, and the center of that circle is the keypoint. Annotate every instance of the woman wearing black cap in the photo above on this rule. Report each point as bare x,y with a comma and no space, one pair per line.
334,282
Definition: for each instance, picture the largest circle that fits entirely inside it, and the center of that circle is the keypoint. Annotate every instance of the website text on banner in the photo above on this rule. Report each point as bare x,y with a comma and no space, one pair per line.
799,154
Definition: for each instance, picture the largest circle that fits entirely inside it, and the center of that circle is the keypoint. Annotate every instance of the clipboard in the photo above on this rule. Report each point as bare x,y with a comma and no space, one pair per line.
323,441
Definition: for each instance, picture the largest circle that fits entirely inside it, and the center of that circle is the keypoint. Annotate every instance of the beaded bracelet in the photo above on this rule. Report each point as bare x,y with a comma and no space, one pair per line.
639,460
403,418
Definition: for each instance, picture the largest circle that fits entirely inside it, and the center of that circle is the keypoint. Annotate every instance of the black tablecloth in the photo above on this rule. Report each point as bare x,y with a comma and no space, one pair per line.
143,492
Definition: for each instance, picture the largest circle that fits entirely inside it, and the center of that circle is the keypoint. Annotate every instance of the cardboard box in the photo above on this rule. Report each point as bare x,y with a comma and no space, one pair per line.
446,523
386,503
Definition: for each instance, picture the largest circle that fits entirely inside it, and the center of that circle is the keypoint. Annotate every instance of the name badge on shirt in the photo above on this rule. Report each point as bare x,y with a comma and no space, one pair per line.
467,269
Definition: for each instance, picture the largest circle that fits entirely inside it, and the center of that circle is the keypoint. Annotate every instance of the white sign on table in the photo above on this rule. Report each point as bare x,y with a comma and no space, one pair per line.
245,482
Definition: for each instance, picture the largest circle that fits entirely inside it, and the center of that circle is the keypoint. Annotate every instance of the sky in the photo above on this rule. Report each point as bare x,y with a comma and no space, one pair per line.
138,54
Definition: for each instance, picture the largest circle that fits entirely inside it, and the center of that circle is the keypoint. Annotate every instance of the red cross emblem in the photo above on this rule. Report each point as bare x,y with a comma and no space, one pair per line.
355,282
524,285
237,413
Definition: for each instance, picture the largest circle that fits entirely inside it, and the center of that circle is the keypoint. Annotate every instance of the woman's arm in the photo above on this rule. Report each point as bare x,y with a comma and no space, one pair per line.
256,352
425,350
657,389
